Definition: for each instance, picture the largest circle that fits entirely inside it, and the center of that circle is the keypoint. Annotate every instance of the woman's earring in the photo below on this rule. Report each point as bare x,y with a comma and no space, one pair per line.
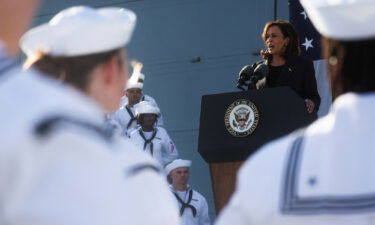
332,61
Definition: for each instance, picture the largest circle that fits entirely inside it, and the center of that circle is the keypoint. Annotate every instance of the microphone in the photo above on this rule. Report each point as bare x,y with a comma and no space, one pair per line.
260,72
244,75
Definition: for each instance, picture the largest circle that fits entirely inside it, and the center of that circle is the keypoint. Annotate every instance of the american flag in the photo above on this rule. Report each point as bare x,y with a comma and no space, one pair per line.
311,48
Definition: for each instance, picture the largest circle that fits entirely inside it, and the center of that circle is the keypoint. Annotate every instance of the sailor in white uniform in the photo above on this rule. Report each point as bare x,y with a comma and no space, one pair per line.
57,165
137,81
324,174
124,119
193,206
152,139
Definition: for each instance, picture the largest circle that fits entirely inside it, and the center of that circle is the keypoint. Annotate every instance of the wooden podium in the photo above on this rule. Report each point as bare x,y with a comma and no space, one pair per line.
279,111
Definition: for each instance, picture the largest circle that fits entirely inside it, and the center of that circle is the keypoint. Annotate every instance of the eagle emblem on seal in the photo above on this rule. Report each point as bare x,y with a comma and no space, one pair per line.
241,118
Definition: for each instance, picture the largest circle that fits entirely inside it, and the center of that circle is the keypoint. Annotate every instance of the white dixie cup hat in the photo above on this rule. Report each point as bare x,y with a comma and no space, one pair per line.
80,30
135,81
344,20
177,163
137,78
145,107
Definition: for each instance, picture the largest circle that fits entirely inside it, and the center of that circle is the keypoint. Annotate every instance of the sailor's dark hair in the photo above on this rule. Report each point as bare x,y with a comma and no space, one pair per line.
351,65
73,70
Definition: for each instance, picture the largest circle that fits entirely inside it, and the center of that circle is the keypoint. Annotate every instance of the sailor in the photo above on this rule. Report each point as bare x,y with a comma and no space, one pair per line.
137,81
325,173
193,206
57,165
152,139
124,118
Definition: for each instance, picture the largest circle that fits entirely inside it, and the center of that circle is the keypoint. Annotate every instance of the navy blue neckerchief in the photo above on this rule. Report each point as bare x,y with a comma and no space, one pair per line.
132,117
148,141
185,205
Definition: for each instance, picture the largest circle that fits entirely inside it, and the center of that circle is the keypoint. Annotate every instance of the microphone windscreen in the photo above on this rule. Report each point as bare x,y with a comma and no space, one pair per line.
261,71
247,71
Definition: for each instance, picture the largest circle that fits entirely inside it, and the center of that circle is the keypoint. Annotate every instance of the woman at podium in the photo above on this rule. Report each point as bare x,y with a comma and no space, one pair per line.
282,64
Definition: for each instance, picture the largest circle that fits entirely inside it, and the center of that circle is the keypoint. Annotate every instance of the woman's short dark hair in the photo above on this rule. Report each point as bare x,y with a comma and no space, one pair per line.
287,29
73,70
351,65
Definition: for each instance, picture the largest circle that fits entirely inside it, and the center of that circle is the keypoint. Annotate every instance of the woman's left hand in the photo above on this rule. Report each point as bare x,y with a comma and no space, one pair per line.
310,105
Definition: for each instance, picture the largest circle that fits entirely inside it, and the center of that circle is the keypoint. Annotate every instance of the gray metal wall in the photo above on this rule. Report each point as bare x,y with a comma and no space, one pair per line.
169,34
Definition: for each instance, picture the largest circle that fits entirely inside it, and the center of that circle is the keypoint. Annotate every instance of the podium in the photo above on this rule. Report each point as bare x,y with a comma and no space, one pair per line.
266,115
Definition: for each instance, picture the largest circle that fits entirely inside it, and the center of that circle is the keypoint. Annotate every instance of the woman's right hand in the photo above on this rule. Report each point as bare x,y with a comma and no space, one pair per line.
310,105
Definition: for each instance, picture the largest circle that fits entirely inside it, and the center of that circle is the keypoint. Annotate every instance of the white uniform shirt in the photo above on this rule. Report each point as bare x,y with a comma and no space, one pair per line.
123,120
160,146
198,202
327,177
147,98
70,173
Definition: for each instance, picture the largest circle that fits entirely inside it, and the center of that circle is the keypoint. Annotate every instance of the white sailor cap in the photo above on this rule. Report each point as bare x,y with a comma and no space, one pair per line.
135,81
80,30
177,163
145,107
342,19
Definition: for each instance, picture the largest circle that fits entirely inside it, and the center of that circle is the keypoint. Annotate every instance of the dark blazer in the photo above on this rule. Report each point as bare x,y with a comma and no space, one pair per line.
298,73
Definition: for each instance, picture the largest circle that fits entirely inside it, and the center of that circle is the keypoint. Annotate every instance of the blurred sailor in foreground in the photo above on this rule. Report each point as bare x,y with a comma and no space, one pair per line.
152,139
193,206
324,174
57,166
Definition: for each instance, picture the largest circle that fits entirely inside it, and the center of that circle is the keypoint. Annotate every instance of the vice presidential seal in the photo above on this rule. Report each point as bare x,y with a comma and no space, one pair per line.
241,118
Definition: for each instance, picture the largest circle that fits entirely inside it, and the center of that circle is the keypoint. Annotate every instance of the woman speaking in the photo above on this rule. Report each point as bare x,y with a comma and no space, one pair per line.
285,66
